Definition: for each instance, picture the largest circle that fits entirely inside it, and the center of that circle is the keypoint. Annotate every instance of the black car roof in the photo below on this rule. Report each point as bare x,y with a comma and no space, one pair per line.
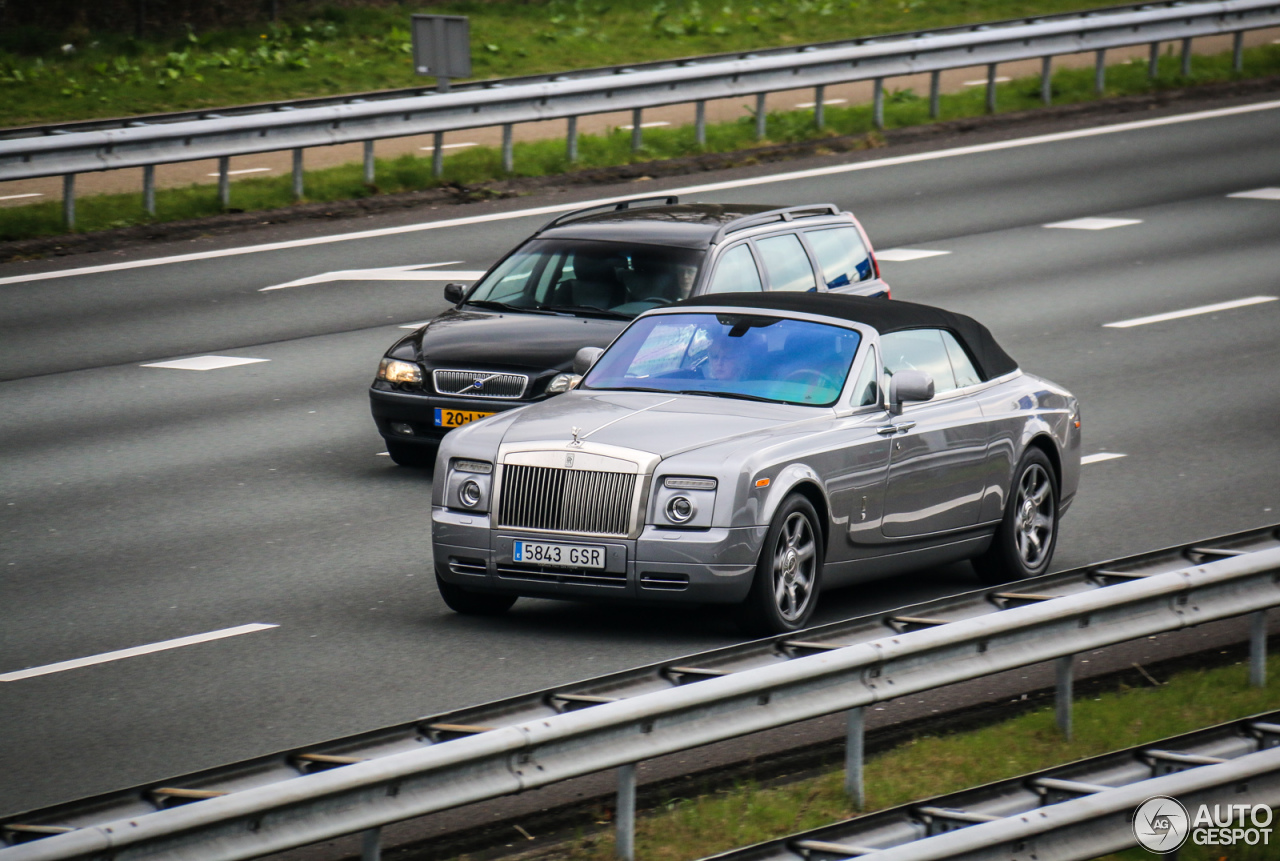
883,315
687,225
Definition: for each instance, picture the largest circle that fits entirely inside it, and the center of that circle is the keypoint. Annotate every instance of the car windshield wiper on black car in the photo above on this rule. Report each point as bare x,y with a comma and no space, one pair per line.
503,306
586,309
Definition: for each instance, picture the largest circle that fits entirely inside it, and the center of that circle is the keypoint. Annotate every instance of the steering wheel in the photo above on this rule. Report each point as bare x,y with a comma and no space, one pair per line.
810,377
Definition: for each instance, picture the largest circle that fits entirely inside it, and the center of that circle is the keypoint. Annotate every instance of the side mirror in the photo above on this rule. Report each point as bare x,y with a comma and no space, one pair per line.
585,358
909,386
454,292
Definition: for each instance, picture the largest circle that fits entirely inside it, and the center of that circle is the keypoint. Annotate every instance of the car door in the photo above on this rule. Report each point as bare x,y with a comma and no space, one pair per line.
937,467
736,271
856,484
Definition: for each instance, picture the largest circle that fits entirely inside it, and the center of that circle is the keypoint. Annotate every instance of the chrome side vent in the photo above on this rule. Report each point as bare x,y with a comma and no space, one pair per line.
566,500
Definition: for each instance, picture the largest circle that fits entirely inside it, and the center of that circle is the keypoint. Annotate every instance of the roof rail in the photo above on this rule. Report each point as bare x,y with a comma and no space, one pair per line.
666,200
785,214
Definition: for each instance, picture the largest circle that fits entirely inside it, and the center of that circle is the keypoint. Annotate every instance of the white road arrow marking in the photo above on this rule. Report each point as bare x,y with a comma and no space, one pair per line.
412,272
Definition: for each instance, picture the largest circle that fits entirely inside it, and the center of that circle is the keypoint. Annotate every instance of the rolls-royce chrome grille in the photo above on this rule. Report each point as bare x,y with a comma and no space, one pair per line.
479,384
566,500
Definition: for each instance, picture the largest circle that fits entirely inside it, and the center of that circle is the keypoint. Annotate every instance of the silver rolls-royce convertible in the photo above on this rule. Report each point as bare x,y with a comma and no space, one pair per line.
754,449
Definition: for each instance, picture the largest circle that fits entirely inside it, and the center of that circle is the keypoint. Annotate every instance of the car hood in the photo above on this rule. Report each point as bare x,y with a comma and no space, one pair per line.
661,424
465,337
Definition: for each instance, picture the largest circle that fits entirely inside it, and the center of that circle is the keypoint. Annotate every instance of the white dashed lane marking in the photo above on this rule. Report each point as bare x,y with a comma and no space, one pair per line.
1259,194
20,196
902,255
1190,312
1094,223
204,363
451,146
244,170
120,654
653,125
1099,457
824,102
982,83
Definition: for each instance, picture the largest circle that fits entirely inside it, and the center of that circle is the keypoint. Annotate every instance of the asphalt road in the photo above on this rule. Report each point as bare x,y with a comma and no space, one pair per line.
142,504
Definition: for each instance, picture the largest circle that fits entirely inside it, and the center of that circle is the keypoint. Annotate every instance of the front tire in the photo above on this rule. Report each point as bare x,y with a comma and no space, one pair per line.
459,600
1024,542
784,590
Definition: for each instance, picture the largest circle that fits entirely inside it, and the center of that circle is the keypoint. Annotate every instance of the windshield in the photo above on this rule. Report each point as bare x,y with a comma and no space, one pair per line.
729,355
587,277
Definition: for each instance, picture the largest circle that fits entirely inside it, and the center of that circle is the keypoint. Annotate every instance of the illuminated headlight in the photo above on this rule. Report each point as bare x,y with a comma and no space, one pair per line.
680,509
469,493
562,383
396,371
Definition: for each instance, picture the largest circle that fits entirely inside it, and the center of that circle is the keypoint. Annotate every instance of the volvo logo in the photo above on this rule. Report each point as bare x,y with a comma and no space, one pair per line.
479,382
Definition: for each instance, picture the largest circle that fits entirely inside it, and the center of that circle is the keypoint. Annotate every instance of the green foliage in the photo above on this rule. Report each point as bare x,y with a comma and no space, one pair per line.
477,165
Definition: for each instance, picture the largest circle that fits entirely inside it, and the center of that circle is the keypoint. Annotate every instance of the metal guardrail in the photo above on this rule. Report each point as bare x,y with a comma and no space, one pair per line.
1082,810
625,89
272,804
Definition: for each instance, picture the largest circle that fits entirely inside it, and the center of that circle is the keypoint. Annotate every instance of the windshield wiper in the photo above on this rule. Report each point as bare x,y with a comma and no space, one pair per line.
735,395
503,306
588,309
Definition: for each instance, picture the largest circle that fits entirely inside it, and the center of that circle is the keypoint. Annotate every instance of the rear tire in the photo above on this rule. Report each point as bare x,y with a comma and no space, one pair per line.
1024,542
412,454
784,590
468,603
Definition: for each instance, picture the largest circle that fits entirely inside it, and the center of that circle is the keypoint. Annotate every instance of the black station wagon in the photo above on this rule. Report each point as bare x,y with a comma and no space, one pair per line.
510,340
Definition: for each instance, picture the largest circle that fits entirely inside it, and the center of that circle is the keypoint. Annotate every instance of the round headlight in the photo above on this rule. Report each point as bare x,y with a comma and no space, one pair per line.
469,493
680,509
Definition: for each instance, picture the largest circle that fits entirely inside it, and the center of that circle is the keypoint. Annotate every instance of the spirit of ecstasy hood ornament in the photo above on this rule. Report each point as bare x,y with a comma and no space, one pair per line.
577,443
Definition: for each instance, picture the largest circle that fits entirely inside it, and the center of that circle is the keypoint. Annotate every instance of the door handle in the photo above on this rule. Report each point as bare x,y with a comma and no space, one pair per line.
903,427
890,430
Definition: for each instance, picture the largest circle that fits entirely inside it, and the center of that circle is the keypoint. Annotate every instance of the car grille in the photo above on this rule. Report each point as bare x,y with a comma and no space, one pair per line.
479,384
566,500
539,574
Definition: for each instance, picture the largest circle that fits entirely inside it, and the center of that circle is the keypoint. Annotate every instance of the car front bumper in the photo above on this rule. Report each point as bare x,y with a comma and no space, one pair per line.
418,413
713,566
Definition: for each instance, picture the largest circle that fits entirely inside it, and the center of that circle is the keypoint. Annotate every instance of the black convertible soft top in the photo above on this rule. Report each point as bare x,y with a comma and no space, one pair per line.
883,315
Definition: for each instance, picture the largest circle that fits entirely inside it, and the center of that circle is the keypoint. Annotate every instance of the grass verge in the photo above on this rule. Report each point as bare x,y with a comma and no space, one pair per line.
690,828
479,165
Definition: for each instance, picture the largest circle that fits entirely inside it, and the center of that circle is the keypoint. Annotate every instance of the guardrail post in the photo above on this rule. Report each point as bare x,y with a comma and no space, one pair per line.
571,140
991,88
1063,669
297,174
877,104
371,845
1186,57
700,122
224,181
69,200
625,815
1046,80
819,96
508,149
760,116
149,189
1153,61
1237,52
368,163
854,750
1100,71
1258,649
637,132
437,154
935,81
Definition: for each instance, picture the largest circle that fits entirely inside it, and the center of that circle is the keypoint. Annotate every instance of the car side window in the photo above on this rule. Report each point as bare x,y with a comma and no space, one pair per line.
787,263
842,256
866,392
736,272
919,350
961,365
